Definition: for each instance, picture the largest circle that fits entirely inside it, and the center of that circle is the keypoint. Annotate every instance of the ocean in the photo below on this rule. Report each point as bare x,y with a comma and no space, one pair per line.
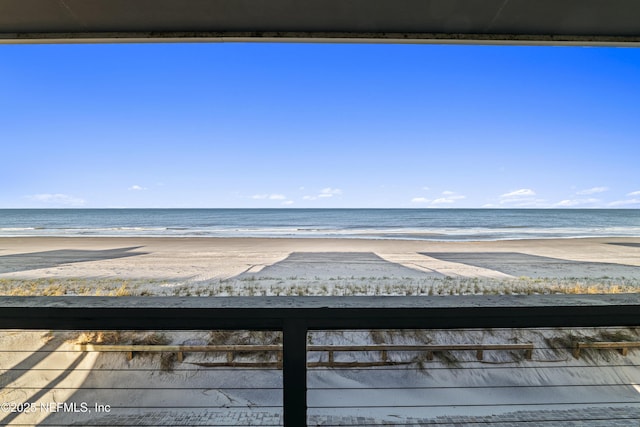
410,224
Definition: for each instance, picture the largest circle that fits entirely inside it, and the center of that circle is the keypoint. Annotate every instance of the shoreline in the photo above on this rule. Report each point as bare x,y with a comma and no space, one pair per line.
370,237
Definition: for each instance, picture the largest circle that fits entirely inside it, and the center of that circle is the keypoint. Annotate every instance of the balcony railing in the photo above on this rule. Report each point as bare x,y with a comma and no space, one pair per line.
297,316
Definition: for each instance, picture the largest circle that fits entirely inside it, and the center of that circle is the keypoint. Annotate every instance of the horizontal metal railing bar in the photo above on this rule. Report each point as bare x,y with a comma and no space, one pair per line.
171,407
93,424
474,422
523,406
269,313
469,387
465,387
485,365
112,424
51,370
482,405
399,368
144,388
509,423
481,329
388,424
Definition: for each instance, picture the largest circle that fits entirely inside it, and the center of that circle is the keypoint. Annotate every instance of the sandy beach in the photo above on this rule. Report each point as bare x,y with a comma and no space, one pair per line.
495,387
159,266
206,258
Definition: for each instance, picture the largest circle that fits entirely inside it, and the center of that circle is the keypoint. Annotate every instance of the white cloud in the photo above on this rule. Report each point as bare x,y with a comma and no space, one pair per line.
136,188
287,202
593,190
325,193
442,201
522,198
625,202
269,197
576,202
523,192
634,193
420,200
426,188
567,203
450,197
330,192
528,203
57,199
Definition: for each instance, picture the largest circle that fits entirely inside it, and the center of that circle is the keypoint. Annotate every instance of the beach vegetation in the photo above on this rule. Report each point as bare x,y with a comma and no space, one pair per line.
335,286
54,291
123,291
447,358
101,337
420,361
154,338
167,362
618,335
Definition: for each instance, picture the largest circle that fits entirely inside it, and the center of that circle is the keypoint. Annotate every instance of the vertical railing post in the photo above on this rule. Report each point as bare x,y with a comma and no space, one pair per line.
294,373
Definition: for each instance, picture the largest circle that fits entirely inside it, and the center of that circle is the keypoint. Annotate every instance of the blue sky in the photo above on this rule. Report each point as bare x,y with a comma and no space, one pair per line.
318,125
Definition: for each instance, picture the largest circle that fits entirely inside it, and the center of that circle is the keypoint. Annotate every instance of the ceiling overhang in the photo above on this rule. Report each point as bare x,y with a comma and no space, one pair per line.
557,22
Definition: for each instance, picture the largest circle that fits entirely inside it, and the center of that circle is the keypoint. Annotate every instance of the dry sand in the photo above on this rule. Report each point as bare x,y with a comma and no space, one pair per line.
222,258
254,266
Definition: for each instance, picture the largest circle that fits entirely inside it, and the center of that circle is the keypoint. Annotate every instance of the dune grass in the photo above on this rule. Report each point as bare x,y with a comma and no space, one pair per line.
338,286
